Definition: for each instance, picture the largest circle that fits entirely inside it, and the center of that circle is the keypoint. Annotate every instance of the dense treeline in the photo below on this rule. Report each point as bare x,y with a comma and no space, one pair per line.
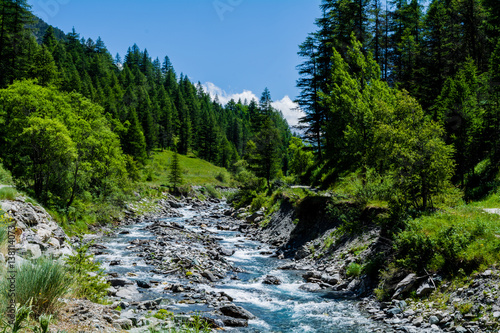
82,102
445,55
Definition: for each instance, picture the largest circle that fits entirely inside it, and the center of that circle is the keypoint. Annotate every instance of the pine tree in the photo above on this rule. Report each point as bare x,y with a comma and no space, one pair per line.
175,176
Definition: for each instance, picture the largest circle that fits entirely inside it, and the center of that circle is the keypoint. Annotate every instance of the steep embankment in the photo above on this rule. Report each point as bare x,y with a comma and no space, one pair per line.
333,254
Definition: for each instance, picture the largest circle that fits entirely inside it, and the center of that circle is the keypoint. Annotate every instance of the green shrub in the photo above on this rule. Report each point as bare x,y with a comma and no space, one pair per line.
8,193
163,314
5,176
353,270
90,281
40,283
223,177
212,192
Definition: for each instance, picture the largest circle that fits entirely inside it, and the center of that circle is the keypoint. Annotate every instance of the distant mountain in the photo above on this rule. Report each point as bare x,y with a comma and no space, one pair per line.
39,28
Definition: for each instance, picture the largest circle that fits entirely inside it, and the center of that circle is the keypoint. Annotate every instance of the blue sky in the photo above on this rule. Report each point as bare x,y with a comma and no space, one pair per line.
235,48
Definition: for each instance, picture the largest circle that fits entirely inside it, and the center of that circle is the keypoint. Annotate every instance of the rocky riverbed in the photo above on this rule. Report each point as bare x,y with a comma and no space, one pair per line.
200,257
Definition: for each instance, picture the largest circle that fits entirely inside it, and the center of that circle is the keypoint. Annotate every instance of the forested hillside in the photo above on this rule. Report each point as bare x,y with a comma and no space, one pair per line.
78,122
405,90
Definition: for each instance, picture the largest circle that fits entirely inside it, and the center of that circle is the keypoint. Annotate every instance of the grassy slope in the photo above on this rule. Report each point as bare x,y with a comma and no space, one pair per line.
194,171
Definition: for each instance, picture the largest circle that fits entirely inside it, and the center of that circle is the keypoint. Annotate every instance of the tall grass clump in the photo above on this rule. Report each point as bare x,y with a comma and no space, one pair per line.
40,283
8,193
5,176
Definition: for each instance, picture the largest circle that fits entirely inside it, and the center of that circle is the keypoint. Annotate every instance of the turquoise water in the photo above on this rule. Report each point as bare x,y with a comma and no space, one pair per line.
281,308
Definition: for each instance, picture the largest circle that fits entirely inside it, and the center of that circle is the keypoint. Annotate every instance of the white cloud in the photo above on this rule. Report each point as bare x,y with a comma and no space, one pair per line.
289,109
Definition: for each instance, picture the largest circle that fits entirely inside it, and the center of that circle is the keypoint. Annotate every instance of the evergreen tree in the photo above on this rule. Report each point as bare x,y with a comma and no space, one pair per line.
175,176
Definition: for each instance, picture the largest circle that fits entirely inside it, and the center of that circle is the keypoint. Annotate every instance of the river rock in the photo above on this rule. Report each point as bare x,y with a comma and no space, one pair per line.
34,250
143,284
123,323
252,218
226,252
234,322
115,262
405,285
235,311
425,288
174,204
128,292
270,279
54,243
310,287
119,282
43,232
208,275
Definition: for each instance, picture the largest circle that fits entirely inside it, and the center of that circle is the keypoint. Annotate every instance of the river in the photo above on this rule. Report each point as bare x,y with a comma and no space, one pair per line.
278,308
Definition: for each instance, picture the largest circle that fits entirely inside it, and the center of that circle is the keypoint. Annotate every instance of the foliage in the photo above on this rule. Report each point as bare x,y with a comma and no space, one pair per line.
90,279
40,283
353,270
175,176
461,238
8,193
5,176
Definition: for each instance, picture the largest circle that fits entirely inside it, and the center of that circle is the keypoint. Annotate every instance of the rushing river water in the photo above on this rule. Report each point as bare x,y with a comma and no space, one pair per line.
278,308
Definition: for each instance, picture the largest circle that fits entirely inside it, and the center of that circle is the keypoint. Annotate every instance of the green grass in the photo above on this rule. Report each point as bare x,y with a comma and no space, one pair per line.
194,171
5,176
457,238
39,283
8,193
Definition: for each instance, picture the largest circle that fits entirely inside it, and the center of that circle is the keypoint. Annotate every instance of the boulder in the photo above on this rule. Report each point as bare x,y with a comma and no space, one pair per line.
123,324
425,288
235,311
225,252
129,292
234,322
44,232
209,276
34,251
270,279
405,285
119,282
252,218
54,243
143,284
310,287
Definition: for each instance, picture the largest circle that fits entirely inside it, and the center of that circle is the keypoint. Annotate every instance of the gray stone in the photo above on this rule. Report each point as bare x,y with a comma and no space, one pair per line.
44,233
208,275
302,252
496,314
235,311
425,289
128,292
54,243
433,320
310,287
226,252
254,216
8,206
119,282
394,311
143,284
417,321
112,291
34,250
331,279
124,324
460,329
270,279
405,285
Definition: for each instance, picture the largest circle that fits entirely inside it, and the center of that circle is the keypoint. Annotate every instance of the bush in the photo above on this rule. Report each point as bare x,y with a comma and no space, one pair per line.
90,281
353,270
223,177
40,283
5,176
8,193
212,192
